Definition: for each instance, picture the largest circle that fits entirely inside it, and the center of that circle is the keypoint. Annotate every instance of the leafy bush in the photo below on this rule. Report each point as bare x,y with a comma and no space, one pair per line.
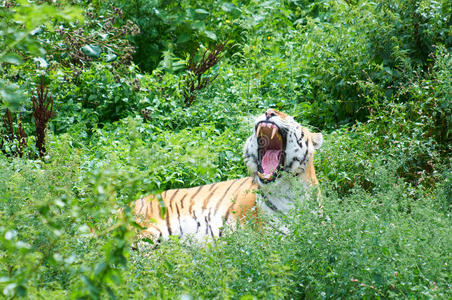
99,38
21,23
98,96
166,26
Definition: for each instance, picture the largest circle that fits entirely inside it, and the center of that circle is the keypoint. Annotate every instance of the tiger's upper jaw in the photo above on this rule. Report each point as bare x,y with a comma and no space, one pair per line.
278,143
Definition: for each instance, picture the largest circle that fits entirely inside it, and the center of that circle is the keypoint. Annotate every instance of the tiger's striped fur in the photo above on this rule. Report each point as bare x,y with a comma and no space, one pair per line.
198,211
278,143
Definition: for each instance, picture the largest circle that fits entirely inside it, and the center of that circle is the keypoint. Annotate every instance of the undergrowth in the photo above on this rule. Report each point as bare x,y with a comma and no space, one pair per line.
383,238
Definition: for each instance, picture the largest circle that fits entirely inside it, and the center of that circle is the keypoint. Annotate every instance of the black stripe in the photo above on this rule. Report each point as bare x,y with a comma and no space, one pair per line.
182,200
228,212
212,186
243,182
305,154
292,162
196,220
155,226
224,195
168,222
207,225
253,157
141,208
210,220
219,202
299,142
270,205
178,212
211,231
146,211
193,196
301,161
172,197
204,204
178,217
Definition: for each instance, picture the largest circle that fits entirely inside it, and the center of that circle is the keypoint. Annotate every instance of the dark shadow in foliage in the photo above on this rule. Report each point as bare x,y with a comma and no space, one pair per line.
11,137
42,112
194,81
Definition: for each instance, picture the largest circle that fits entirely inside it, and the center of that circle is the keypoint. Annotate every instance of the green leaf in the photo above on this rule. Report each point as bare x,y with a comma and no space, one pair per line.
12,58
110,57
201,11
228,7
210,35
91,50
11,95
4,279
183,37
198,25
100,267
9,290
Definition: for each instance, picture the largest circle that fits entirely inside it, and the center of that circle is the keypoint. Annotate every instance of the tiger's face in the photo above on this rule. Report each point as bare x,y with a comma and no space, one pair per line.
279,143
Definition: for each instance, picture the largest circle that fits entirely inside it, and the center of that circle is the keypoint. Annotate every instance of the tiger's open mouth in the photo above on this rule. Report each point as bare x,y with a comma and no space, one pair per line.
271,141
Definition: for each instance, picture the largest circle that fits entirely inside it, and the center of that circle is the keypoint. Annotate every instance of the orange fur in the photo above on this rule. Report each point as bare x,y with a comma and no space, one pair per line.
230,199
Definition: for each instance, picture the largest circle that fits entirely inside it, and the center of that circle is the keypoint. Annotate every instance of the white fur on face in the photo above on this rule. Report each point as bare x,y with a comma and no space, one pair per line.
250,153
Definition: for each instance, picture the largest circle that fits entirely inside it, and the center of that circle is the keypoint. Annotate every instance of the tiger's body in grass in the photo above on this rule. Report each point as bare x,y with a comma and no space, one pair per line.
278,143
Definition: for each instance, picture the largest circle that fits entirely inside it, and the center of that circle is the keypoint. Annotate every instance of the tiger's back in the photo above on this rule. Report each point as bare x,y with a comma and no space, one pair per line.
198,211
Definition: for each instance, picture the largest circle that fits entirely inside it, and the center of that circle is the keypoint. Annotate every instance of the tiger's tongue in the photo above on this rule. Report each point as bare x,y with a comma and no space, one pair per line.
270,161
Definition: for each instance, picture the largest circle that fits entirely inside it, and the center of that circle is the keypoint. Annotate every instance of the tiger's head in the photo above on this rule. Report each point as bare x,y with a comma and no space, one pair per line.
279,143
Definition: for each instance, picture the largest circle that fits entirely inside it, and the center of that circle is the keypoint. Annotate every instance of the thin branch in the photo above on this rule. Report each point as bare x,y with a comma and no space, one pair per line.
194,80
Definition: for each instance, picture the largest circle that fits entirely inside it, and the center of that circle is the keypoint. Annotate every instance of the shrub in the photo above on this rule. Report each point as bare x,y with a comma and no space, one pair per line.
96,97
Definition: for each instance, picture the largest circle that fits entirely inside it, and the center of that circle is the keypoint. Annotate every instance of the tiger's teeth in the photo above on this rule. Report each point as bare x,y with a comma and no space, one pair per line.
274,132
258,130
263,176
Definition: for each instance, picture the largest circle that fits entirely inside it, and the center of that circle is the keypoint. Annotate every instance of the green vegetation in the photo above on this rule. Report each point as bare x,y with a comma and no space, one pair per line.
374,77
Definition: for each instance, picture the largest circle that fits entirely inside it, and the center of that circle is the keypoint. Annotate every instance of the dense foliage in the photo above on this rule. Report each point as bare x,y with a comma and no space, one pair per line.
374,77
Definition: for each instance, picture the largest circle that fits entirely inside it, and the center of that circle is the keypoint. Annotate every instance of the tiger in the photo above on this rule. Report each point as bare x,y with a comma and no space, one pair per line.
278,144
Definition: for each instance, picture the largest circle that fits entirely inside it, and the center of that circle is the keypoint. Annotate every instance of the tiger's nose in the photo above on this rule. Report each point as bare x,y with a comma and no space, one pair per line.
270,113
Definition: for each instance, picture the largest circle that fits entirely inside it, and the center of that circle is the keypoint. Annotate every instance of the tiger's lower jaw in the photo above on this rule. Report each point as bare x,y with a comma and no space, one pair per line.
268,178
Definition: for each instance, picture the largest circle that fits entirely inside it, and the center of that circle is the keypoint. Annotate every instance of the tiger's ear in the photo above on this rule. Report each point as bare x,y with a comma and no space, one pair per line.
317,140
